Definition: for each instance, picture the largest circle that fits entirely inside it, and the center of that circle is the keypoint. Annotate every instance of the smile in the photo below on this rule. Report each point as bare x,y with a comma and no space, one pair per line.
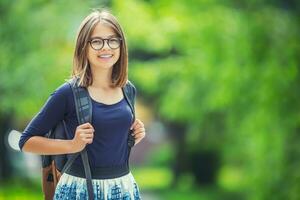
105,56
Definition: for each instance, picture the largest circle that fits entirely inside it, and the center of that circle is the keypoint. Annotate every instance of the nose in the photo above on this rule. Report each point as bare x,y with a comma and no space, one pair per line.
105,45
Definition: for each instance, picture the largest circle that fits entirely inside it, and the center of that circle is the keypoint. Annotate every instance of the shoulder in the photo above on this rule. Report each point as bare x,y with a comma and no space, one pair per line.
63,96
63,90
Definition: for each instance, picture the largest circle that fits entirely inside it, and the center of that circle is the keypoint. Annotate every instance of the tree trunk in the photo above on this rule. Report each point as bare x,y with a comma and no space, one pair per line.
177,133
5,163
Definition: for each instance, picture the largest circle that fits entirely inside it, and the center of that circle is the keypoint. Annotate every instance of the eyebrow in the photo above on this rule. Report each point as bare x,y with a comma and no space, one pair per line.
109,36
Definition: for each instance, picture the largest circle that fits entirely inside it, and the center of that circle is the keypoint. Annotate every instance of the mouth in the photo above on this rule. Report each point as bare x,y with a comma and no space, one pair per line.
105,56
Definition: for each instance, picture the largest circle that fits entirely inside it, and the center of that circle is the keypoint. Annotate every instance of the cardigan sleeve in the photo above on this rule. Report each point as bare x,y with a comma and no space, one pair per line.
49,115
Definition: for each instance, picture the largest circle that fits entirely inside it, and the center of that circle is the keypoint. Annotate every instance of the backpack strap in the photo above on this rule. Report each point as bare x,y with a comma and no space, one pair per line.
129,92
83,107
84,114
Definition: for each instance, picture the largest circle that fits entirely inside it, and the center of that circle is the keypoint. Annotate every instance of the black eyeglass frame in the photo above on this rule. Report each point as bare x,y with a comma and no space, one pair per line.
103,41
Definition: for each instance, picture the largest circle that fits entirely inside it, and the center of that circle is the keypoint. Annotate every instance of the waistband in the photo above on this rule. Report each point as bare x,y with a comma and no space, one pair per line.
99,172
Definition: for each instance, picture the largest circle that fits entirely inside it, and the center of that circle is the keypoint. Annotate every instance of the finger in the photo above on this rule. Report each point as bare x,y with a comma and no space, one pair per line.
137,134
140,124
137,124
138,130
133,124
85,125
87,131
86,135
89,141
140,135
86,138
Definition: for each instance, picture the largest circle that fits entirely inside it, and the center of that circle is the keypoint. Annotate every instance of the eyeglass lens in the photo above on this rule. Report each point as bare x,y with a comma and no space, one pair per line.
98,43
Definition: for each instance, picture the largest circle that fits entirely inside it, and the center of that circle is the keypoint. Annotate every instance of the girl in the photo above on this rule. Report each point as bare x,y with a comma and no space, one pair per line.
100,63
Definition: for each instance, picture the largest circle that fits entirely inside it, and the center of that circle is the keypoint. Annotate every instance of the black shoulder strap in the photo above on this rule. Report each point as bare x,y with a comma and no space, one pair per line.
129,92
83,107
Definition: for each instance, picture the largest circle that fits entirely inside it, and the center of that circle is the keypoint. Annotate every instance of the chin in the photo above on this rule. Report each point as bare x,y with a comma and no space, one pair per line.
104,65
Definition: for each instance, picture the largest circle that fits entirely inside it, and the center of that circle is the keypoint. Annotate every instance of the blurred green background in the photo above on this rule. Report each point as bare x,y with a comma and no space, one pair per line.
218,91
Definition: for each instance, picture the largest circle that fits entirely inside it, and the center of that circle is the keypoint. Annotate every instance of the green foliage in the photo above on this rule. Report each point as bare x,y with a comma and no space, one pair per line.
36,54
155,178
233,82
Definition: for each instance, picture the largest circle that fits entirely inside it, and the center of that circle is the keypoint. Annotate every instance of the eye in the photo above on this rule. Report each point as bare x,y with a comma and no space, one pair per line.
96,42
114,42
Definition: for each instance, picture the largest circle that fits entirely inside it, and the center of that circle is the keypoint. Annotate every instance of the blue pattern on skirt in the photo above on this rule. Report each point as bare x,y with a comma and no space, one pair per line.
121,188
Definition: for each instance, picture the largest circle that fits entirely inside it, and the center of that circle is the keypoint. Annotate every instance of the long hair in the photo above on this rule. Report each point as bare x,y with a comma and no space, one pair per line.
81,66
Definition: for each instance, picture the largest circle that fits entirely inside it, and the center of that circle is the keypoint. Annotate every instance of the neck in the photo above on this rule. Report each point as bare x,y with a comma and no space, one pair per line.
101,77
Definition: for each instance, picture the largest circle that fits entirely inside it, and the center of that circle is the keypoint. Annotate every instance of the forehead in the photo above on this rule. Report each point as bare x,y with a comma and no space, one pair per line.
103,30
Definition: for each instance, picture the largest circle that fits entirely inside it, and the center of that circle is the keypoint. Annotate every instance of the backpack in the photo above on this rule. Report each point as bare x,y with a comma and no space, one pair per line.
53,166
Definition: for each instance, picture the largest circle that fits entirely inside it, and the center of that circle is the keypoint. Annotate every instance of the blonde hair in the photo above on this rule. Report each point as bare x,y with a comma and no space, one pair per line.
81,66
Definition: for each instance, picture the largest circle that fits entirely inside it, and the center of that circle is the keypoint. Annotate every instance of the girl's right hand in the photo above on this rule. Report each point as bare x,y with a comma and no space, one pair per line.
84,134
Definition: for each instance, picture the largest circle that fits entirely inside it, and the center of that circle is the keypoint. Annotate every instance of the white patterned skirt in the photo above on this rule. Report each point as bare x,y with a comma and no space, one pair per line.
74,188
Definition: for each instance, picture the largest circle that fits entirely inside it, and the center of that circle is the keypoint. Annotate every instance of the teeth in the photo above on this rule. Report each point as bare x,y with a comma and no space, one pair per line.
105,56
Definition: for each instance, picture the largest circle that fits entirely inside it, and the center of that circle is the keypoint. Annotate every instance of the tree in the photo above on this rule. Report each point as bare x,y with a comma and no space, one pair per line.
227,76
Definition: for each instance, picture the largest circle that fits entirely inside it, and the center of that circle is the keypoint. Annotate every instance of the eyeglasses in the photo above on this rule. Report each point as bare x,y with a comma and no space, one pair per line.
98,43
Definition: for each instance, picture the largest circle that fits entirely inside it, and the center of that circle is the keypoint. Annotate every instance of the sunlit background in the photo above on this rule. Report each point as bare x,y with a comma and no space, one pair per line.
218,91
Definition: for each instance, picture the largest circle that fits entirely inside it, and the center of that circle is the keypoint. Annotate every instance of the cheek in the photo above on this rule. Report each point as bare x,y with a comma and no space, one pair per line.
117,54
91,55
88,54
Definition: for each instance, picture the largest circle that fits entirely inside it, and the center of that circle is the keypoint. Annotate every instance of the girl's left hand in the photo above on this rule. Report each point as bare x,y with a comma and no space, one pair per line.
139,131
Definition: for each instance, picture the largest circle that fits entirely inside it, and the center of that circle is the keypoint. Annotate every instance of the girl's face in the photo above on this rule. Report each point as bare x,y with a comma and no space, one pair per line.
103,53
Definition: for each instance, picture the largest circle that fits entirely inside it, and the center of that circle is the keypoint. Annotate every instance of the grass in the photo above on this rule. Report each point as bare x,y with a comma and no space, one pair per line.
152,178
21,190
